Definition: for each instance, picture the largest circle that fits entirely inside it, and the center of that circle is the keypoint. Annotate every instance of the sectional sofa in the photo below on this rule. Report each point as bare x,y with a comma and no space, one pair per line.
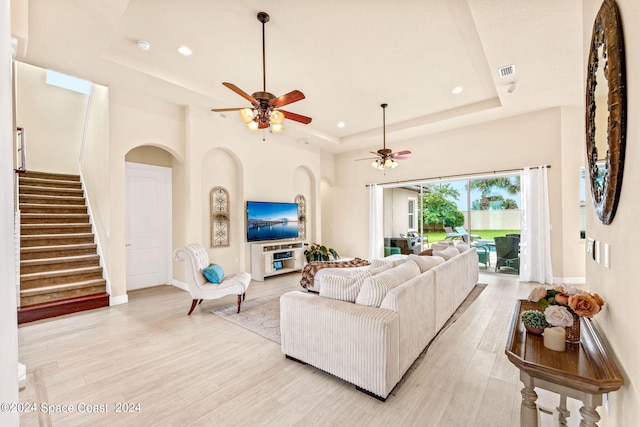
370,326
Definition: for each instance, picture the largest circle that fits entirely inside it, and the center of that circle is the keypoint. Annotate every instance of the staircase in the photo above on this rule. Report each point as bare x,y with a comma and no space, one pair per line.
60,270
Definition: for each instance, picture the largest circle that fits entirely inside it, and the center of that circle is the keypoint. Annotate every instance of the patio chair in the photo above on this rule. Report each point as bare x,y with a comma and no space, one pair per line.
451,234
464,233
507,252
484,255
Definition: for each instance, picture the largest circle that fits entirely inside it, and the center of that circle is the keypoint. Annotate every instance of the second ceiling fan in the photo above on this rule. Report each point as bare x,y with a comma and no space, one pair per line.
386,157
265,111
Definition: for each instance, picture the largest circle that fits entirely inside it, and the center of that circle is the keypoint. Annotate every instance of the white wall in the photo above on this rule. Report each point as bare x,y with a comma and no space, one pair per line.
8,304
53,119
618,285
527,140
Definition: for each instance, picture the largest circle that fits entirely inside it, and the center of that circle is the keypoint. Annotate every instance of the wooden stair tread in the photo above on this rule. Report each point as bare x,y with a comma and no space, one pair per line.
69,259
62,287
54,236
57,273
52,215
58,247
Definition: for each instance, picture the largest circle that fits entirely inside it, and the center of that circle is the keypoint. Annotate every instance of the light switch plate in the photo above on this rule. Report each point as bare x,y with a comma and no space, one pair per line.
590,243
607,260
597,254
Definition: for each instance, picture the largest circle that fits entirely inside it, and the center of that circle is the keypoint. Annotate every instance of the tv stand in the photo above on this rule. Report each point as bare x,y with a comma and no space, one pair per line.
273,258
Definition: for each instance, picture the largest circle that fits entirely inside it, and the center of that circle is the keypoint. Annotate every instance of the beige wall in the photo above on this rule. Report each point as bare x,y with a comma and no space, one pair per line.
53,119
619,284
527,140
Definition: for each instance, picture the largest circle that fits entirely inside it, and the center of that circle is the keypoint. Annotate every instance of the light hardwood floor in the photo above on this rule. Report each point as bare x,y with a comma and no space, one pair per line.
204,370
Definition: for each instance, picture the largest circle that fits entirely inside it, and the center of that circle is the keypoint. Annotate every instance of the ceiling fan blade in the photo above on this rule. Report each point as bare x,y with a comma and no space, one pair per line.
375,153
401,157
219,110
296,117
242,93
401,153
288,98
367,158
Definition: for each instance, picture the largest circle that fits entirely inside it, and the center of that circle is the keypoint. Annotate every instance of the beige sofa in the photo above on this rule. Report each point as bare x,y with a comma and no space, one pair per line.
373,346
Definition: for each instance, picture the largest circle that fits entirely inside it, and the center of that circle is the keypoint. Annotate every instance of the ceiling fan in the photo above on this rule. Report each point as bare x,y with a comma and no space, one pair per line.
386,158
265,111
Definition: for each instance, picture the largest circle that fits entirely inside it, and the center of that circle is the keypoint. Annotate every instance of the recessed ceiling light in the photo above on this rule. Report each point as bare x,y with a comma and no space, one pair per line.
144,45
457,90
341,124
184,50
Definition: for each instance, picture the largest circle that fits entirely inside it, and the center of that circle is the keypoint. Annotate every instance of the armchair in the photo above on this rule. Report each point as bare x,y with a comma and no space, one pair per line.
195,259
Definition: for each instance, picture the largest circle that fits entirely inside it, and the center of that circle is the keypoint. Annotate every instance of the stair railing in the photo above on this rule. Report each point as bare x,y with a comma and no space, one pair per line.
21,150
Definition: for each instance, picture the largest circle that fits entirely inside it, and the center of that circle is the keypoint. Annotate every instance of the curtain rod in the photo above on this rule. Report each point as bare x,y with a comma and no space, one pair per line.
468,175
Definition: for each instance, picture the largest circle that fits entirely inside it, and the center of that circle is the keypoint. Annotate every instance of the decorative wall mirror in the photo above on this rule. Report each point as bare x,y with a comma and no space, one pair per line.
606,104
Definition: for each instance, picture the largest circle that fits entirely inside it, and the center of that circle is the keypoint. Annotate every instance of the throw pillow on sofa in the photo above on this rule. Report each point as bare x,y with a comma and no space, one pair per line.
426,262
375,288
461,247
441,246
448,253
343,288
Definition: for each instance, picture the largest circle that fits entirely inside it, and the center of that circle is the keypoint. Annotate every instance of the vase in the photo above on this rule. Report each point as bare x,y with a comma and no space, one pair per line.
573,331
534,331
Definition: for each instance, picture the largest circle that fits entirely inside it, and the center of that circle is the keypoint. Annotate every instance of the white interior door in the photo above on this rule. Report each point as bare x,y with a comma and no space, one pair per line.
148,225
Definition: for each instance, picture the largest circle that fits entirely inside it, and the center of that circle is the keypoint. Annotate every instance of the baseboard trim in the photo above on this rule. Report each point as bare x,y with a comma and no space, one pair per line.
179,284
570,280
60,308
117,300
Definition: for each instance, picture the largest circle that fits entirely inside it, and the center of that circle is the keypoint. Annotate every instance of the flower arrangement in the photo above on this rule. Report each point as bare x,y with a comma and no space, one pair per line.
562,304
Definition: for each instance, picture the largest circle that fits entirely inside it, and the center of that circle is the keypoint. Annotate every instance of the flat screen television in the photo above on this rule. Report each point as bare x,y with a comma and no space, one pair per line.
271,221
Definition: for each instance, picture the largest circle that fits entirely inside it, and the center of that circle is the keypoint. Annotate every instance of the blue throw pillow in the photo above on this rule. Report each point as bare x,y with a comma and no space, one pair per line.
213,273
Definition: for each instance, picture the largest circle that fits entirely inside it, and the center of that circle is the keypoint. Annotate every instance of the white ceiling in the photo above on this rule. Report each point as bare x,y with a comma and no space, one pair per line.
347,56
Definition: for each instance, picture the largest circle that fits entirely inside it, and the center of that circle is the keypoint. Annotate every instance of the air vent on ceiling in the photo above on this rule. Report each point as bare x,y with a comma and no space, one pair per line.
507,71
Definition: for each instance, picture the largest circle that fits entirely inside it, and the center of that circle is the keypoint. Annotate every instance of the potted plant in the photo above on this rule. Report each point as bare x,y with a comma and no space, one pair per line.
534,321
316,252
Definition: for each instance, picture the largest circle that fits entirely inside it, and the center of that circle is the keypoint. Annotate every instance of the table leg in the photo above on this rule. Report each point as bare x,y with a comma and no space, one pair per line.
563,412
590,416
528,408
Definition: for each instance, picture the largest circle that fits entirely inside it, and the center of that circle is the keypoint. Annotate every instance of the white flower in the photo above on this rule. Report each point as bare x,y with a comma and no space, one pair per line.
558,315
537,294
572,290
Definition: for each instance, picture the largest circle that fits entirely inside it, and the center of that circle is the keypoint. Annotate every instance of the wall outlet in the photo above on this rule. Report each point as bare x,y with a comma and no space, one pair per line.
597,254
607,260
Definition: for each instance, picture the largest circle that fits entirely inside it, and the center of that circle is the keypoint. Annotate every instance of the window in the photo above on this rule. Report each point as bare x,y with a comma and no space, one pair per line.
412,208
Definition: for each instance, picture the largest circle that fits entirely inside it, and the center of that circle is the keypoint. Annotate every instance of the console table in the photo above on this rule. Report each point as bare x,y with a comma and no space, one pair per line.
585,371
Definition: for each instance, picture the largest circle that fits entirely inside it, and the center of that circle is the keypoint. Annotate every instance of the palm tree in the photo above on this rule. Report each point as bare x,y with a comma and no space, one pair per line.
510,184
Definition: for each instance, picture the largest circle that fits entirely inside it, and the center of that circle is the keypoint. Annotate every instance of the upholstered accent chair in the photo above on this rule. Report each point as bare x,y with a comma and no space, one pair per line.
196,259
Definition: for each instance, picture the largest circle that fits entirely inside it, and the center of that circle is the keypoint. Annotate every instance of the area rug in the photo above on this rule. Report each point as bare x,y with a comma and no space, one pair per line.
262,316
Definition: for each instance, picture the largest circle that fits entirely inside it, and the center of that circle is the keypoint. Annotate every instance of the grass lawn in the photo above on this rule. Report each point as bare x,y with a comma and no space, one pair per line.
484,234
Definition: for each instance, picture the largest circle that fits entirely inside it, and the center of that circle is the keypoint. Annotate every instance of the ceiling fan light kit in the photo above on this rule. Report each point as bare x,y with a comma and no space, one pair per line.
265,111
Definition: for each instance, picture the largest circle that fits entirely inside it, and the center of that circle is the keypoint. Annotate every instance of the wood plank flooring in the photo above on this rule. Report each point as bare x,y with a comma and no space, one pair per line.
202,370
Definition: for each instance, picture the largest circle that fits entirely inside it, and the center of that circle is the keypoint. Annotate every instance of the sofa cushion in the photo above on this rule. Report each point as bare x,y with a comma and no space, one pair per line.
426,262
344,288
375,288
447,253
461,247
427,252
214,273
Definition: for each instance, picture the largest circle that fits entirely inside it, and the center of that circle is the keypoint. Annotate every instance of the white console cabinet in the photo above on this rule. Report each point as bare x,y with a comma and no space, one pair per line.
270,259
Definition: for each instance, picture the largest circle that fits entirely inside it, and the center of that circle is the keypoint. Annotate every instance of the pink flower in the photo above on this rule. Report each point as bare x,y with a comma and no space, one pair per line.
537,294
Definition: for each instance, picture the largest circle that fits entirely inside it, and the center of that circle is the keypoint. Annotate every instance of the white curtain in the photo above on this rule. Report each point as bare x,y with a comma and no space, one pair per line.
535,243
376,240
